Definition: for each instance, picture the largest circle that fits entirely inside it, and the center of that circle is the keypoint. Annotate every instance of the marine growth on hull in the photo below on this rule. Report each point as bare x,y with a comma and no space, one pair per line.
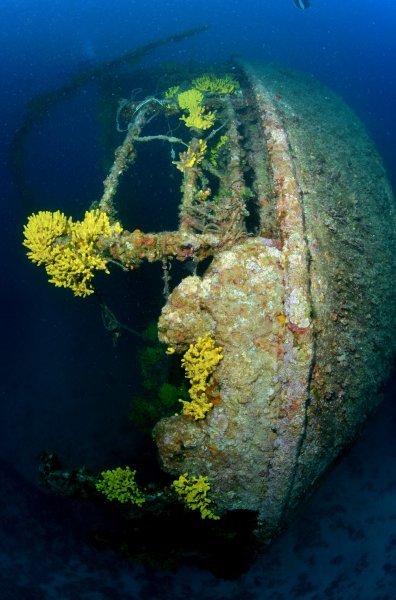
271,345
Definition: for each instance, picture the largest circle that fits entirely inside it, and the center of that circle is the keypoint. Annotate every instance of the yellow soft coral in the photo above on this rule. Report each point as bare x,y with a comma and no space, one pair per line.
191,100
68,249
192,157
119,484
194,493
211,84
171,92
41,232
199,363
217,149
73,267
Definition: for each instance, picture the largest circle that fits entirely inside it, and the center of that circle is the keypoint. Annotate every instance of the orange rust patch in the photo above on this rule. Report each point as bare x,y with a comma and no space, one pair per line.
212,448
261,342
277,244
294,407
215,399
280,351
213,394
149,240
115,253
297,329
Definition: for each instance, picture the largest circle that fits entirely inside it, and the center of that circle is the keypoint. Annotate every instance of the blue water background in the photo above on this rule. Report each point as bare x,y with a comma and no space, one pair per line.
64,386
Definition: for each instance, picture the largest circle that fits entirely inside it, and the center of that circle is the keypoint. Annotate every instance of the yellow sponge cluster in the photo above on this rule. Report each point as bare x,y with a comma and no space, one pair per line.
119,484
192,101
67,248
211,84
199,363
41,232
192,157
194,493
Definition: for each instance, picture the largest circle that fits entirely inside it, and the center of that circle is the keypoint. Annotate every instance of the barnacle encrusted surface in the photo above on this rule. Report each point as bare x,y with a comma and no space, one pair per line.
240,299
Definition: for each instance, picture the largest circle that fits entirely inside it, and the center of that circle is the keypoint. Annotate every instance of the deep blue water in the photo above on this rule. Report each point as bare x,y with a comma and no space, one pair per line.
65,386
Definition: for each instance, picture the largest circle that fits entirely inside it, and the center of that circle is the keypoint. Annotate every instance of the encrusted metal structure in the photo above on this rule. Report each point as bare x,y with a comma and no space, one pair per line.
304,307
299,293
